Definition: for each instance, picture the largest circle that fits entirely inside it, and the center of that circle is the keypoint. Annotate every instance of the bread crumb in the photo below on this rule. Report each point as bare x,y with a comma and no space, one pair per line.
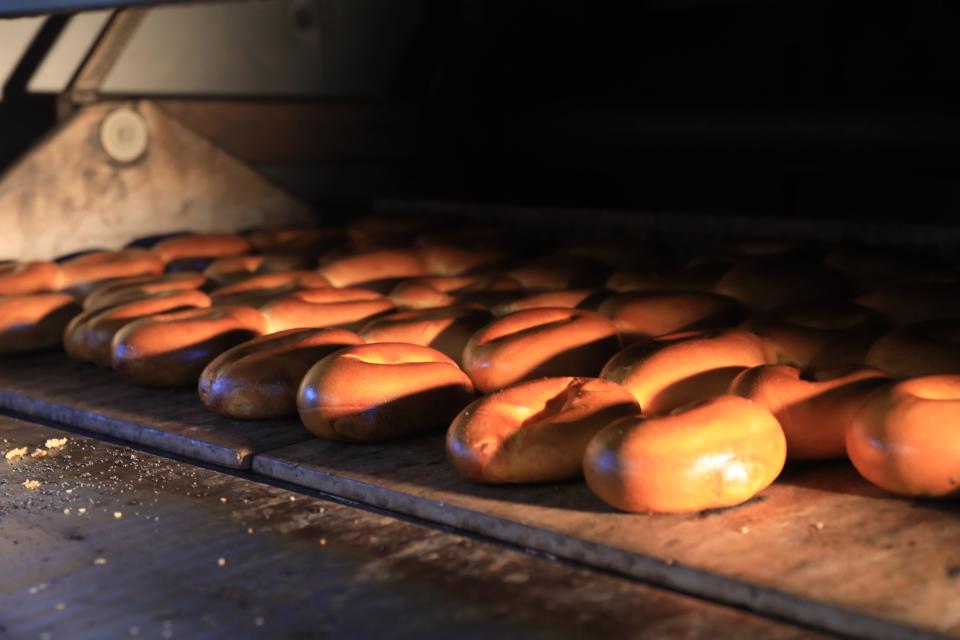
221,562
15,454
117,515
31,484
66,511
249,530
100,561
38,453
259,621
323,542
744,529
60,606
818,525
82,510
223,500
55,443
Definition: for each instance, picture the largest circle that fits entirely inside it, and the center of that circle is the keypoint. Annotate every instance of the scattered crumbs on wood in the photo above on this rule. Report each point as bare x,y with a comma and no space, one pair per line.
15,454
31,484
55,443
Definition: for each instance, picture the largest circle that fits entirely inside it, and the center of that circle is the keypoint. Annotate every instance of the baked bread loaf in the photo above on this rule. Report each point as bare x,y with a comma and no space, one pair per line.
18,278
204,246
90,334
588,299
820,336
674,370
716,453
535,431
904,439
639,315
922,349
260,378
443,291
82,274
317,308
446,329
34,321
137,287
258,290
814,410
378,392
771,283
379,270
172,349
537,343
914,302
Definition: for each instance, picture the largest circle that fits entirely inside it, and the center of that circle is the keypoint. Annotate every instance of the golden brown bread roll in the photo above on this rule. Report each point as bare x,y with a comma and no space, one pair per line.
443,291
922,349
172,349
377,392
560,272
588,299
449,260
260,378
868,266
34,321
914,302
368,232
673,370
820,336
84,273
639,315
697,278
304,241
379,270
904,439
814,410
17,278
258,290
201,245
226,271
771,283
536,343
715,453
446,329
90,334
317,308
534,431
136,287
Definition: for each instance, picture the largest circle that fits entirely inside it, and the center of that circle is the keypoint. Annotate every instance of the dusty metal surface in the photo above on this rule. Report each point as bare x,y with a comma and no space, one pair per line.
52,387
113,543
821,546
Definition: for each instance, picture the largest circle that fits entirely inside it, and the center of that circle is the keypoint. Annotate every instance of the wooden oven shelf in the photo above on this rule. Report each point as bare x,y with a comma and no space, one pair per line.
821,546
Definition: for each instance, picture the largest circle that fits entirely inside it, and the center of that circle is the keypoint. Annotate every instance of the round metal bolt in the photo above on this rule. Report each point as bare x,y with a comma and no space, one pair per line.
124,135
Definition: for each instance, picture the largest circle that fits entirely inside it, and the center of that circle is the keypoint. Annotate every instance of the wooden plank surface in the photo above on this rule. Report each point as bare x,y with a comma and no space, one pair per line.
53,387
821,546
295,565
